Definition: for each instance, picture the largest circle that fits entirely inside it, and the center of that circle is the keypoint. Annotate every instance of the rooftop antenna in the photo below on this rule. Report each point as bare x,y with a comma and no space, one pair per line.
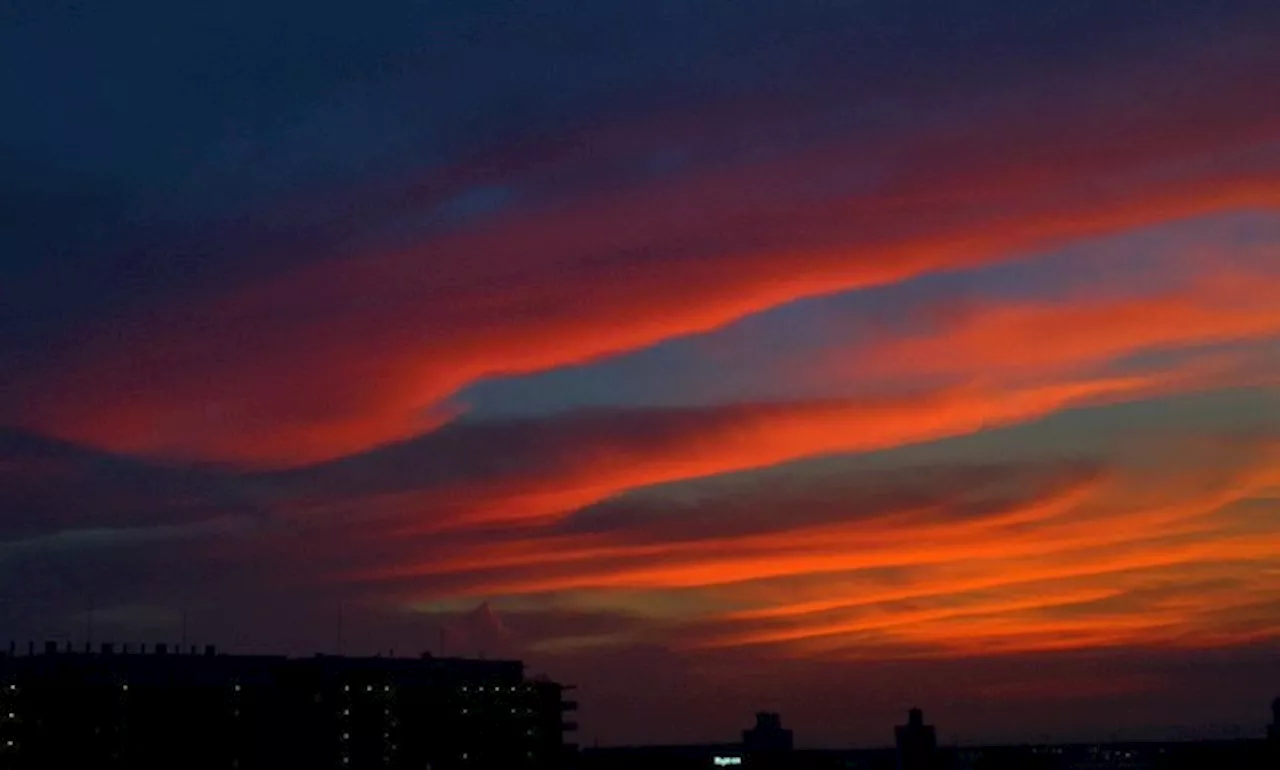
88,623
339,629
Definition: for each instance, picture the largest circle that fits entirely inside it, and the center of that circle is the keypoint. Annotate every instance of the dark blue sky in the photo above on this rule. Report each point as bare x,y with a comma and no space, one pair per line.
779,354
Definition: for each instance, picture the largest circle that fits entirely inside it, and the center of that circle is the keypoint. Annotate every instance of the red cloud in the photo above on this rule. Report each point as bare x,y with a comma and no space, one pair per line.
1079,332
355,352
559,467
1096,561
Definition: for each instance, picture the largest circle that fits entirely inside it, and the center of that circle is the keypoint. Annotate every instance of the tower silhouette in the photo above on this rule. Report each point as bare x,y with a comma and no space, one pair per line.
917,742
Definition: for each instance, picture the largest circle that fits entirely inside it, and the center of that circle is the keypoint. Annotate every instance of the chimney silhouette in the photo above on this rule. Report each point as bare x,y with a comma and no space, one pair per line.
917,743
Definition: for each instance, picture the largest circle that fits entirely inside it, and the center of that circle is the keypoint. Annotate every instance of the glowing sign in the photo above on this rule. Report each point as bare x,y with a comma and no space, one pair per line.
726,761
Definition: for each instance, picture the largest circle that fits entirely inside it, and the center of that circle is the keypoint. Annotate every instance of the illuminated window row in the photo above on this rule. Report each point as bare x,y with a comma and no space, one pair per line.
495,689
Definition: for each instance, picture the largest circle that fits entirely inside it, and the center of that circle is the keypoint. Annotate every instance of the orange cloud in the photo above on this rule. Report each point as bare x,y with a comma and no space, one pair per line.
554,467
350,353
1074,333
1100,561
699,443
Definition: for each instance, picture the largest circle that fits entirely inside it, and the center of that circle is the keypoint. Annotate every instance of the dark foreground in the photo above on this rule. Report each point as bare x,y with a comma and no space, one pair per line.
1214,755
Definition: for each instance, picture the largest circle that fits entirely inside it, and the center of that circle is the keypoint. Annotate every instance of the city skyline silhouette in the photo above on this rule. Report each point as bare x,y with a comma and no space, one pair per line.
716,357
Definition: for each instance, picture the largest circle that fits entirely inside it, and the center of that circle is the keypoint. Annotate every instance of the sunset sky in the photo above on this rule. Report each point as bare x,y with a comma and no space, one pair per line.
826,357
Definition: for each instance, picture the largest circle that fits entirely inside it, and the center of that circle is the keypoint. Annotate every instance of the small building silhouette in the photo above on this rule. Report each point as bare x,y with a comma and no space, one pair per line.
1272,750
768,735
1273,730
917,743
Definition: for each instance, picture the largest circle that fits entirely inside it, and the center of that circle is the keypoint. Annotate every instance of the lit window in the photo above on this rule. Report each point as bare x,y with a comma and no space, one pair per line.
346,712
368,688
124,687
346,736
346,688
237,688
386,688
